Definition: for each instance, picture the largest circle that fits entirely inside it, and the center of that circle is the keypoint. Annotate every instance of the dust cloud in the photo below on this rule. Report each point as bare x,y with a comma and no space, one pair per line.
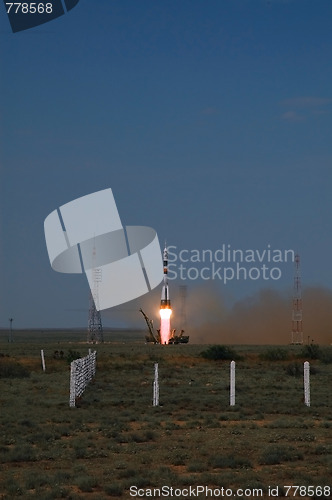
214,317
262,318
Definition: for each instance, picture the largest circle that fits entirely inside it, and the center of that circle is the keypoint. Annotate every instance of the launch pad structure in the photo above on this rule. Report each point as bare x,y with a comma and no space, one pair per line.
154,336
165,335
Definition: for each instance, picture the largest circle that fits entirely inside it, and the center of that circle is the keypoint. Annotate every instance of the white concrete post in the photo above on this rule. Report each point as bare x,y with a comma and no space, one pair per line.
156,386
306,378
42,359
232,384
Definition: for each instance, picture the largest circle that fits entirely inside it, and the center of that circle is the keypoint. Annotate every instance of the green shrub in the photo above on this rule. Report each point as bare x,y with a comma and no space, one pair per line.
35,479
22,453
12,369
196,467
137,437
325,355
179,459
310,351
231,462
217,352
72,355
322,449
277,454
275,354
86,483
150,436
114,490
13,488
126,473
294,369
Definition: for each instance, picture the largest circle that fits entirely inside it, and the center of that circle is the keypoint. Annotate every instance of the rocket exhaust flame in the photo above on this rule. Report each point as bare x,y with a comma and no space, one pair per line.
165,305
165,325
165,313
164,335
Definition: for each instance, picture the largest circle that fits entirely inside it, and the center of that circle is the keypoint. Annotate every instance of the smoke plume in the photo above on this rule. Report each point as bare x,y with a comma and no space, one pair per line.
262,318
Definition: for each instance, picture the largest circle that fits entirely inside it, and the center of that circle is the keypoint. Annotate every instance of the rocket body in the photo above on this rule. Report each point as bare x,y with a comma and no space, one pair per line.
165,305
165,302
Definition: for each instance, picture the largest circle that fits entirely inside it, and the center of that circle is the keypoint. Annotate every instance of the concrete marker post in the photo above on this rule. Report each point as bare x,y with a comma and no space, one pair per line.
232,384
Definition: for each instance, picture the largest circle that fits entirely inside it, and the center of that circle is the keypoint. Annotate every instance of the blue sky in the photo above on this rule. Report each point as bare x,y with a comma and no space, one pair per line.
211,121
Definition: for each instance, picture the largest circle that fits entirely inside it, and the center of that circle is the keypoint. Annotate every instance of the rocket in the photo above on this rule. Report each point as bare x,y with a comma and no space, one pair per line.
165,302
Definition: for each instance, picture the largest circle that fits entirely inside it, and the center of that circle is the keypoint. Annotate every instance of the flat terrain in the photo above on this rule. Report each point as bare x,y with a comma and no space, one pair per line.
115,438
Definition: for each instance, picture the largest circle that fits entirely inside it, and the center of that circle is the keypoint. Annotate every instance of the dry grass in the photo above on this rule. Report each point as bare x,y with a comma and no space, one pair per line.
115,438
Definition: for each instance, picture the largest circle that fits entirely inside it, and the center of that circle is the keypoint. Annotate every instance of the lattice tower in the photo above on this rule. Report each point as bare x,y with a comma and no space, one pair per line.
95,327
297,332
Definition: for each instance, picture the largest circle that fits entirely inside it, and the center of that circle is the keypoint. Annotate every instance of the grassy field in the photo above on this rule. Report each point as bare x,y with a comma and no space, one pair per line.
115,438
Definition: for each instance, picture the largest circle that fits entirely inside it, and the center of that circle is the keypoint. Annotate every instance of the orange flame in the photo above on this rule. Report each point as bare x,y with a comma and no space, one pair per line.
165,313
165,325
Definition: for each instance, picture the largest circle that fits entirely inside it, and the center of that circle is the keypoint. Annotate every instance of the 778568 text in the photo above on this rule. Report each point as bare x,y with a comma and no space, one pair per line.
307,491
29,8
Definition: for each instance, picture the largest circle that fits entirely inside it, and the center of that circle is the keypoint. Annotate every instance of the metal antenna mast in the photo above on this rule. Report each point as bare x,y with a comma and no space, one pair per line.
95,327
297,333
